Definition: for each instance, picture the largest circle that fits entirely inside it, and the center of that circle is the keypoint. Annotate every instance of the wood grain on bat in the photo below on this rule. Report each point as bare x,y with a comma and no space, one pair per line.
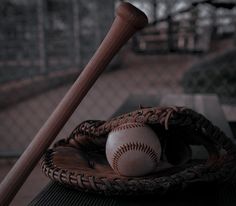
128,20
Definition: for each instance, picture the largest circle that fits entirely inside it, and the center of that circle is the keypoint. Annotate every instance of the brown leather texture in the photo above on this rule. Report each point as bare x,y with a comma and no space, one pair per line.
79,161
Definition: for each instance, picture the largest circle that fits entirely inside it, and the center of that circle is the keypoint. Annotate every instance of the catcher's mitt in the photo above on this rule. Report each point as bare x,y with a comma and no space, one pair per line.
79,161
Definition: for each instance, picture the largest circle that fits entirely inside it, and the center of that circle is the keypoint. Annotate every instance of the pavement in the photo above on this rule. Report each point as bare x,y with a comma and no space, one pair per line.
156,74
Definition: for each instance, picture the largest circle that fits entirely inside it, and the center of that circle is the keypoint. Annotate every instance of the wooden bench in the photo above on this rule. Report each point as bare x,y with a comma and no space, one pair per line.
208,105
57,194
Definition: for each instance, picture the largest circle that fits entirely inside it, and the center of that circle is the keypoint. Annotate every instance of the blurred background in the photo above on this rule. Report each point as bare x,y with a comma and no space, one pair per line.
187,48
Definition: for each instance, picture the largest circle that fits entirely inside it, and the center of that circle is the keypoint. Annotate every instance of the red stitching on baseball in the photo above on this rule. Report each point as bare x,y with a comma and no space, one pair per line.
128,126
138,146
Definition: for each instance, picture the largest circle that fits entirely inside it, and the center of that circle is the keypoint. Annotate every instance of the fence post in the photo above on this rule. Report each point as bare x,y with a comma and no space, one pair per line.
170,33
154,7
76,32
41,36
193,28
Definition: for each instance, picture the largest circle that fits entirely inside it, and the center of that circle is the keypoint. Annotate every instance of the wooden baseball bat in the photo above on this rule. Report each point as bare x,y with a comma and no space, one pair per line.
128,20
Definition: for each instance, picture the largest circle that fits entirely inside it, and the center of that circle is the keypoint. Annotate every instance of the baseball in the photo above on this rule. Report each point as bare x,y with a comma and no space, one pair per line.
133,149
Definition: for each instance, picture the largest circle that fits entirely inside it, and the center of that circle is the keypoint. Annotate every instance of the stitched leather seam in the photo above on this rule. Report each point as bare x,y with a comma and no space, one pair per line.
128,126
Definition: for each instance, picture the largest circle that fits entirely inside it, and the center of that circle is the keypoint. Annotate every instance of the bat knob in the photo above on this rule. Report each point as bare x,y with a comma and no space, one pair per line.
133,15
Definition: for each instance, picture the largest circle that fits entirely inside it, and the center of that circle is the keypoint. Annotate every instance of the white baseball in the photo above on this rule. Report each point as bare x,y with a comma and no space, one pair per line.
133,149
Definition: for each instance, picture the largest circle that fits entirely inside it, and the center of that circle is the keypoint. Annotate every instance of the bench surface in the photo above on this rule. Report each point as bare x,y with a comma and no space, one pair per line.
208,105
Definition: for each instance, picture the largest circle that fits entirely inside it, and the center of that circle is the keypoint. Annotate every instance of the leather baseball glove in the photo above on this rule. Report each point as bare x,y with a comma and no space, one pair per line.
79,161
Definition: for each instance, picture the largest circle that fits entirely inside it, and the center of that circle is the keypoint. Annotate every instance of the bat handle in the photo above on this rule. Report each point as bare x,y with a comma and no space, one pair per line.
128,20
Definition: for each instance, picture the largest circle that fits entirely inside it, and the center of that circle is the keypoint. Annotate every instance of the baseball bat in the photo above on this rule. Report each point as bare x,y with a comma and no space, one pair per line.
128,20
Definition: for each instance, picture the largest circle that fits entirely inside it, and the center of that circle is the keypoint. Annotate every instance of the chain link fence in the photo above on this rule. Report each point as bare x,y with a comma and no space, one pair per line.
44,46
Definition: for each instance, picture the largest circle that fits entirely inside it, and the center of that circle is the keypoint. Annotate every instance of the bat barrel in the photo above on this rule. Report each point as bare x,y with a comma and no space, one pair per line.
132,15
128,20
